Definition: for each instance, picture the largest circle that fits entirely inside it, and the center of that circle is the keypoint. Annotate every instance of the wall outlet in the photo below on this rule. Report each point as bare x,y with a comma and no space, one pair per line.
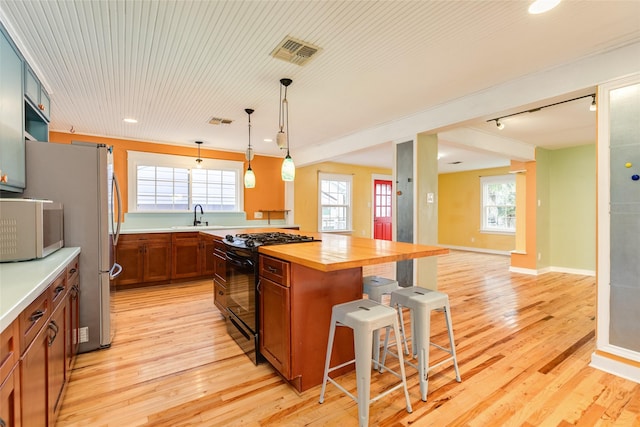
473,239
84,334
539,256
257,215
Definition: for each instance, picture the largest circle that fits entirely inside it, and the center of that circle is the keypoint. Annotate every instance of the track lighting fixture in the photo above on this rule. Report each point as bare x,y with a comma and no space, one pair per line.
288,171
500,123
249,176
199,160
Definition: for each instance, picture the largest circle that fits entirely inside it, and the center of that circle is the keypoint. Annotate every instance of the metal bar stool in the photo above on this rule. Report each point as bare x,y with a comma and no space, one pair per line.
364,316
376,287
421,301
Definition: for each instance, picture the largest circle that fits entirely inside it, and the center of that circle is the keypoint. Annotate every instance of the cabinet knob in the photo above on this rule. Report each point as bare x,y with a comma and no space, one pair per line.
41,107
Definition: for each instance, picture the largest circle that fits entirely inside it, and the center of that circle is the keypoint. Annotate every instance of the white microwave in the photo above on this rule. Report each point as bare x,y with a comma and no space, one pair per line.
30,229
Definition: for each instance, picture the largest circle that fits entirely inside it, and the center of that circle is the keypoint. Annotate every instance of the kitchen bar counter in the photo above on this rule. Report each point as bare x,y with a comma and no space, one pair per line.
22,282
338,252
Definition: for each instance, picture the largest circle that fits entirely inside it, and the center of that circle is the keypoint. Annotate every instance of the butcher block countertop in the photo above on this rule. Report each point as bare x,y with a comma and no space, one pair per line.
338,252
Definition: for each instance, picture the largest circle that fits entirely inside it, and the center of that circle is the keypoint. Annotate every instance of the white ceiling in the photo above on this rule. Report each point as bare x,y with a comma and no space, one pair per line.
173,65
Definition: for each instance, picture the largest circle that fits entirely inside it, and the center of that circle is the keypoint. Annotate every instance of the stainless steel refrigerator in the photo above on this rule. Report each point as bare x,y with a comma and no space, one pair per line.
80,176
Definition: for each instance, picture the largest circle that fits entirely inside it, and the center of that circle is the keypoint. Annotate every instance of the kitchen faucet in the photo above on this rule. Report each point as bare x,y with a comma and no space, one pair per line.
195,220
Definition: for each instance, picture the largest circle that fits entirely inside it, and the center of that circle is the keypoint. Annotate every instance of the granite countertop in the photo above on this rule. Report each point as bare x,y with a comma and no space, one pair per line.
338,252
22,282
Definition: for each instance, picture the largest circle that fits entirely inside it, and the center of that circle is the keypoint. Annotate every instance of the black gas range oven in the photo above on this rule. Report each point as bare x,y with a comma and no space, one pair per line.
242,285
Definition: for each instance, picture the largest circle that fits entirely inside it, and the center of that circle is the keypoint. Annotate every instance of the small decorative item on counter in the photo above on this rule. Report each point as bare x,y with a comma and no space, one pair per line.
635,177
3,177
628,165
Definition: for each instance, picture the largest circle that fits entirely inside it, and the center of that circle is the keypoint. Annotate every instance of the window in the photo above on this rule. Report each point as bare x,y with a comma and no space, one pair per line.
168,183
498,203
334,202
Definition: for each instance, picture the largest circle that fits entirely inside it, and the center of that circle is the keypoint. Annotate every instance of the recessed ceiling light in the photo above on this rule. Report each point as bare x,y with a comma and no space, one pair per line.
268,140
128,120
542,6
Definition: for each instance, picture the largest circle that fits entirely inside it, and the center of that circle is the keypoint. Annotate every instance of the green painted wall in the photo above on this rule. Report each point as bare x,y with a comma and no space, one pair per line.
543,213
572,229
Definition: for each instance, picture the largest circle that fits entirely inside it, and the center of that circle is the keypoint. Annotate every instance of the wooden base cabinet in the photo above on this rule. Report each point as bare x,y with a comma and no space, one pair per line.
144,258
10,376
47,327
220,277
192,255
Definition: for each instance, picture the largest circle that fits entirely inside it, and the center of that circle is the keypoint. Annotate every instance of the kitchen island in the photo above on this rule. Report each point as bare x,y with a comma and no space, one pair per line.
300,283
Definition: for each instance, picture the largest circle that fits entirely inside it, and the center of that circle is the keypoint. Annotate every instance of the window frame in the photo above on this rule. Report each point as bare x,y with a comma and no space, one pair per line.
484,181
139,158
325,176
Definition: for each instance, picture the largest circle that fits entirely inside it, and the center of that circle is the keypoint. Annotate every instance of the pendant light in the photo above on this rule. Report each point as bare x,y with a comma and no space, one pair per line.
249,176
199,160
288,167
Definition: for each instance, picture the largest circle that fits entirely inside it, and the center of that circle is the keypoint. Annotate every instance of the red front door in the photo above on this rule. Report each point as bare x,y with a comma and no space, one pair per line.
382,210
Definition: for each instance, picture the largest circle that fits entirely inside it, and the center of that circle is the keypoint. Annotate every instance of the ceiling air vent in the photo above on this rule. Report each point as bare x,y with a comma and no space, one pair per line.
220,121
295,51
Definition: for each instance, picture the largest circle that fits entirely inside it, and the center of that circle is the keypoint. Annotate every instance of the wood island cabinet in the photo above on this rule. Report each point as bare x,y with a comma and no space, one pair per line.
295,304
275,320
144,258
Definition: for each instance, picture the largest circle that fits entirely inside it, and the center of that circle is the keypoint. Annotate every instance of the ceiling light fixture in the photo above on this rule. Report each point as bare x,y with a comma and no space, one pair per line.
542,6
249,176
500,124
129,120
288,167
199,160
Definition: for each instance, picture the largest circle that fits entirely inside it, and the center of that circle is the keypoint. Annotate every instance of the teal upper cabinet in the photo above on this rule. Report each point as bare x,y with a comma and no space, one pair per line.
12,157
35,93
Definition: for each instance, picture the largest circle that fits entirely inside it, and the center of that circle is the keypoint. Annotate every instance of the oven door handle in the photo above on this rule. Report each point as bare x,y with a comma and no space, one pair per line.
242,263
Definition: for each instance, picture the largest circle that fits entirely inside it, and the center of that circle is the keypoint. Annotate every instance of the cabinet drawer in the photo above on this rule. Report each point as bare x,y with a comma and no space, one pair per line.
9,350
219,247
33,318
220,267
72,270
58,290
220,297
274,269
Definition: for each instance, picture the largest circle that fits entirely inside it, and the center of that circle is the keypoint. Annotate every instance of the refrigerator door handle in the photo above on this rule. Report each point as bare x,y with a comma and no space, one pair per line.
115,271
116,185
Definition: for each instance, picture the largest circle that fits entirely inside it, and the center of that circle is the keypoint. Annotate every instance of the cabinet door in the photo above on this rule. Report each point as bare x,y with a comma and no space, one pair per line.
56,360
130,255
275,332
207,257
45,103
33,384
10,399
186,255
220,297
72,330
157,261
31,86
12,157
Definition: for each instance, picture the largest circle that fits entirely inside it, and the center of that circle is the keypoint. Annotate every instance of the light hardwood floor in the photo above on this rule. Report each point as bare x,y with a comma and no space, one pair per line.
523,343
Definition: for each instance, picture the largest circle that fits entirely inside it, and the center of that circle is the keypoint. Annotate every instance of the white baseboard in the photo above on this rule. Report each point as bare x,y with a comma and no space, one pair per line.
481,250
615,367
